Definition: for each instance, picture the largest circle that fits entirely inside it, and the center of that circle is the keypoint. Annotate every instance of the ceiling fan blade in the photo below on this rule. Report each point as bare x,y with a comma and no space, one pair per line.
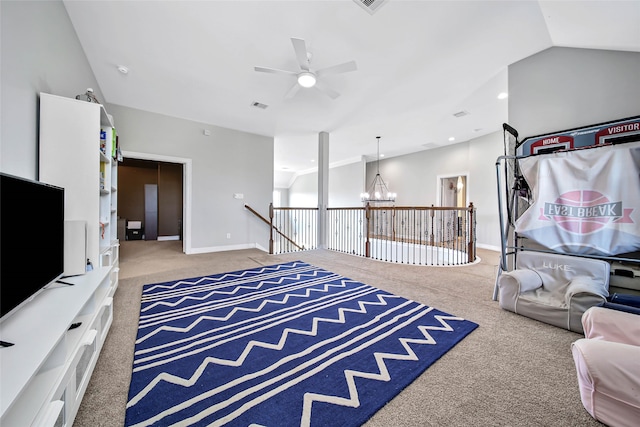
340,68
275,71
292,92
326,90
300,47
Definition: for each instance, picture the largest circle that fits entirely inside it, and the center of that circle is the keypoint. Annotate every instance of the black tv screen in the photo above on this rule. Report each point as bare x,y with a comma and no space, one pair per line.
31,239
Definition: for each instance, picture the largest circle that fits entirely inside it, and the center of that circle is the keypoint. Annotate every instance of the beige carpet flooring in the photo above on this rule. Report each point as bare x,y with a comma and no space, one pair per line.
511,371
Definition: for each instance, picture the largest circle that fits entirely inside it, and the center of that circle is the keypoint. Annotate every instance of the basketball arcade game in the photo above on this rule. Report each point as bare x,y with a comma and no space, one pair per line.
556,195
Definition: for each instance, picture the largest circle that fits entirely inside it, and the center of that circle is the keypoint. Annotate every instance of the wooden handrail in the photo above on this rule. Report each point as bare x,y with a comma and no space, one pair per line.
380,223
250,209
266,221
472,237
393,207
414,208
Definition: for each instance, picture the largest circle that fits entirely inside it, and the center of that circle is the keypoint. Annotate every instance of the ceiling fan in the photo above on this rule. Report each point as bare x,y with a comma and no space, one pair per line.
306,77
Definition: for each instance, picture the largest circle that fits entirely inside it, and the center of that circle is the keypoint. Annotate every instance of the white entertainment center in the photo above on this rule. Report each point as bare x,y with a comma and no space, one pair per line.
57,335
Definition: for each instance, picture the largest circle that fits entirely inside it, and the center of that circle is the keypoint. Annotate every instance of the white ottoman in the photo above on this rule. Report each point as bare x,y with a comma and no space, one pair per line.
608,366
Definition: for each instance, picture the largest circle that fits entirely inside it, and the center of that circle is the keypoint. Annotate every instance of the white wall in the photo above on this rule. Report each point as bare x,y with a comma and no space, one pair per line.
40,53
223,163
345,186
284,197
303,193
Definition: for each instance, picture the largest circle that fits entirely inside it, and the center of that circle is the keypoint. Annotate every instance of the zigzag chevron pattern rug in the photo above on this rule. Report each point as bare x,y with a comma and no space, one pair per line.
284,345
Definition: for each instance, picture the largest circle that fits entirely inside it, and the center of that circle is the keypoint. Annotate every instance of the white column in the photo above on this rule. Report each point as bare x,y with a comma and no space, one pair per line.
323,187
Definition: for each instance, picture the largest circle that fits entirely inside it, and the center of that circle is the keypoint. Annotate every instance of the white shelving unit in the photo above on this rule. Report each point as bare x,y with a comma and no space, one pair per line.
73,156
46,372
108,187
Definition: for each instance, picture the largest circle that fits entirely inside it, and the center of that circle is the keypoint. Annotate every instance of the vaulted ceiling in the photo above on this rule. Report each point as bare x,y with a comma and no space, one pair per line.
418,64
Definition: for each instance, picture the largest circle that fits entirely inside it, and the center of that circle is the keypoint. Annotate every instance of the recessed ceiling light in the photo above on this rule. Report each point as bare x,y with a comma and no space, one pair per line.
123,69
452,138
312,160
503,95
381,155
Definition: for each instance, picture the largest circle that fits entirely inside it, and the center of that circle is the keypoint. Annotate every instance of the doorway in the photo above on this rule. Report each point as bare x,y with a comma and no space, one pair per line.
453,191
151,194
171,177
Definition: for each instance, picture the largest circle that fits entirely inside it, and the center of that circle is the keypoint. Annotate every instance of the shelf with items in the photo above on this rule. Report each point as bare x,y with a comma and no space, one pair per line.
115,244
45,374
103,157
108,199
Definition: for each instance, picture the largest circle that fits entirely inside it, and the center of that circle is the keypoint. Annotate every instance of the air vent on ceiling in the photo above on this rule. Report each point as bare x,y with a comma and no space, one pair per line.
259,105
461,114
370,6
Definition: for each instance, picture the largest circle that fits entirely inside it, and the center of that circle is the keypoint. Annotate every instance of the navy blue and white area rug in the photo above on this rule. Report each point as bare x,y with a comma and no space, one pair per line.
284,345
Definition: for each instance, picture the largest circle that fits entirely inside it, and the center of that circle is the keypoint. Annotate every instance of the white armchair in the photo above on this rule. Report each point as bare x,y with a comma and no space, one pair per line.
555,289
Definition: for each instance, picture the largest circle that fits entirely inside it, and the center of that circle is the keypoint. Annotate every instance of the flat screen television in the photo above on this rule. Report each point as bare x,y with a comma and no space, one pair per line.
31,239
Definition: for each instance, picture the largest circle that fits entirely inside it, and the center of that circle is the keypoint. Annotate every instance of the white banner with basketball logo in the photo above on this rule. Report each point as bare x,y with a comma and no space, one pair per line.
584,201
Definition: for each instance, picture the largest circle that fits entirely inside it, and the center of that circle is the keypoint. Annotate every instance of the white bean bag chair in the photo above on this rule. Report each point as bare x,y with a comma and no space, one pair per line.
555,289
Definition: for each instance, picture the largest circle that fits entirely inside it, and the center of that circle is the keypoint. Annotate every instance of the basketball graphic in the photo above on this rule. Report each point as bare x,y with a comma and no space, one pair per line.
584,211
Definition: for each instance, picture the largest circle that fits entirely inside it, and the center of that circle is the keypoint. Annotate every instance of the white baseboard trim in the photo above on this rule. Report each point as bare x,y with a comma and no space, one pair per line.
263,249
168,237
226,248
489,247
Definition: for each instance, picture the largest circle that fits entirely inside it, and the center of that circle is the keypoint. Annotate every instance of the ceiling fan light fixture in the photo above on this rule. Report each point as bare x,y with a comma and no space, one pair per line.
306,79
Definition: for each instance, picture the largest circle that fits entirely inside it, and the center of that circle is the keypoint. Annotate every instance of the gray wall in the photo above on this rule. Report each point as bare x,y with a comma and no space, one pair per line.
563,88
415,178
346,184
483,191
223,163
556,89
40,53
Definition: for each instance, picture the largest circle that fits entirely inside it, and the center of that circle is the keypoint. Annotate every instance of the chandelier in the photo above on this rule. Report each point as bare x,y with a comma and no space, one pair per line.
378,191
